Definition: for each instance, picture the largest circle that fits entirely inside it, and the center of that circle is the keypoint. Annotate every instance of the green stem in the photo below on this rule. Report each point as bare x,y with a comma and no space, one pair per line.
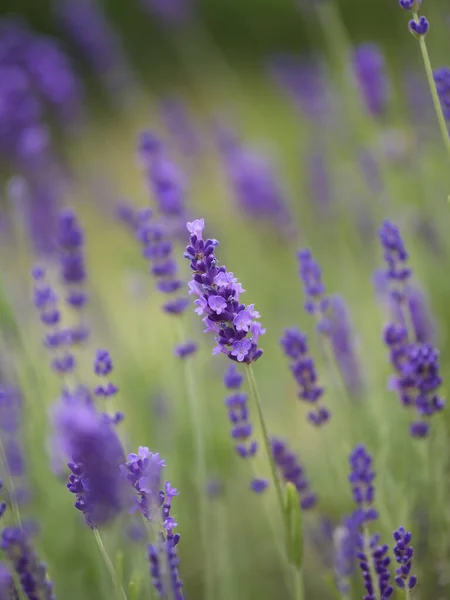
299,584
262,422
434,93
195,409
407,592
121,595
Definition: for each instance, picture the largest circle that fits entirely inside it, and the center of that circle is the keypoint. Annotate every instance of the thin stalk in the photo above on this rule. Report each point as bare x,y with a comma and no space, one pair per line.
299,584
407,593
437,103
262,422
195,409
120,592
368,553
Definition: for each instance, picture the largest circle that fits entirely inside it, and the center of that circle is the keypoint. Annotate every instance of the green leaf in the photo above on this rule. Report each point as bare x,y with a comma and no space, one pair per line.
294,527
134,588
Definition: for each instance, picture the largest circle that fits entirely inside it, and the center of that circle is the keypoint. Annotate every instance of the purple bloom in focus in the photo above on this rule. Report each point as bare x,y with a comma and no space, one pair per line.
29,570
370,71
419,28
95,455
295,346
442,81
361,478
380,560
412,5
403,552
236,334
293,471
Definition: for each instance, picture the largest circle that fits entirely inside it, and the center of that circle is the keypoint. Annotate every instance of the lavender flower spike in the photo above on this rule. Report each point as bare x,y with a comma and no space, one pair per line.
292,471
95,455
403,552
370,70
234,325
8,589
295,346
442,81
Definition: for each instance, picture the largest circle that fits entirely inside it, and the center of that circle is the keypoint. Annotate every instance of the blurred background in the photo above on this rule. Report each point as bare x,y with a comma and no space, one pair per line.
285,124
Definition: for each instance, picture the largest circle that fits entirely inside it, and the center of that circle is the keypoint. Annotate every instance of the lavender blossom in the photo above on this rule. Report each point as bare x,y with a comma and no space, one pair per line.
234,326
346,540
420,27
95,455
311,276
292,471
255,186
8,589
88,28
30,572
370,71
11,420
416,363
378,555
186,349
442,81
295,346
403,552
102,367
57,340
361,478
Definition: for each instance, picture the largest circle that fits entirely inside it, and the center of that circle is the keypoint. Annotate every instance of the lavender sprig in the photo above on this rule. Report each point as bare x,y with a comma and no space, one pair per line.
403,552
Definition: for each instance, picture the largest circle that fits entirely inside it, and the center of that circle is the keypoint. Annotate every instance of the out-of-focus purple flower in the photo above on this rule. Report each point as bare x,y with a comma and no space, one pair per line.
442,81
370,170
29,570
420,27
143,472
256,186
88,28
8,589
164,178
11,420
305,83
361,478
370,71
403,552
102,367
57,340
318,180
171,12
186,349
311,276
95,455
293,471
416,363
295,346
345,541
341,336
180,128
234,324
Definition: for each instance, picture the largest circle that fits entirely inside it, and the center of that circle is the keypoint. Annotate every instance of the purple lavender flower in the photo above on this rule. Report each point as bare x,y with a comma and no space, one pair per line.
306,84
295,346
57,340
186,349
378,555
11,419
442,81
30,572
95,455
311,276
416,363
419,28
255,186
292,471
143,471
102,367
8,589
370,70
412,5
88,28
233,324
361,477
403,552
346,542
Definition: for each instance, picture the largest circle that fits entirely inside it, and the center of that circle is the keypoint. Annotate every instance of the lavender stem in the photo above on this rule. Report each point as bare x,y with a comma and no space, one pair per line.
121,595
195,413
434,93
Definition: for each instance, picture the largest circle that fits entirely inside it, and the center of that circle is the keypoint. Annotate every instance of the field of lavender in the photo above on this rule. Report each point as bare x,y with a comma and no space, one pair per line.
224,315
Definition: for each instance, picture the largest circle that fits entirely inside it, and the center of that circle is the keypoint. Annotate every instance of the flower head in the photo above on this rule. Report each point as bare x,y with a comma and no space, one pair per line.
403,552
234,325
370,70
143,470
293,471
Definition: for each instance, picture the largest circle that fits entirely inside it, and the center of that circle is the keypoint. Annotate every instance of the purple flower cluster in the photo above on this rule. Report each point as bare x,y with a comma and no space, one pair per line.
417,363
57,340
255,185
95,455
238,413
70,244
8,589
361,478
380,560
88,28
143,472
403,552
295,346
370,70
442,81
36,76
165,179
314,288
418,26
233,324
293,471
102,368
